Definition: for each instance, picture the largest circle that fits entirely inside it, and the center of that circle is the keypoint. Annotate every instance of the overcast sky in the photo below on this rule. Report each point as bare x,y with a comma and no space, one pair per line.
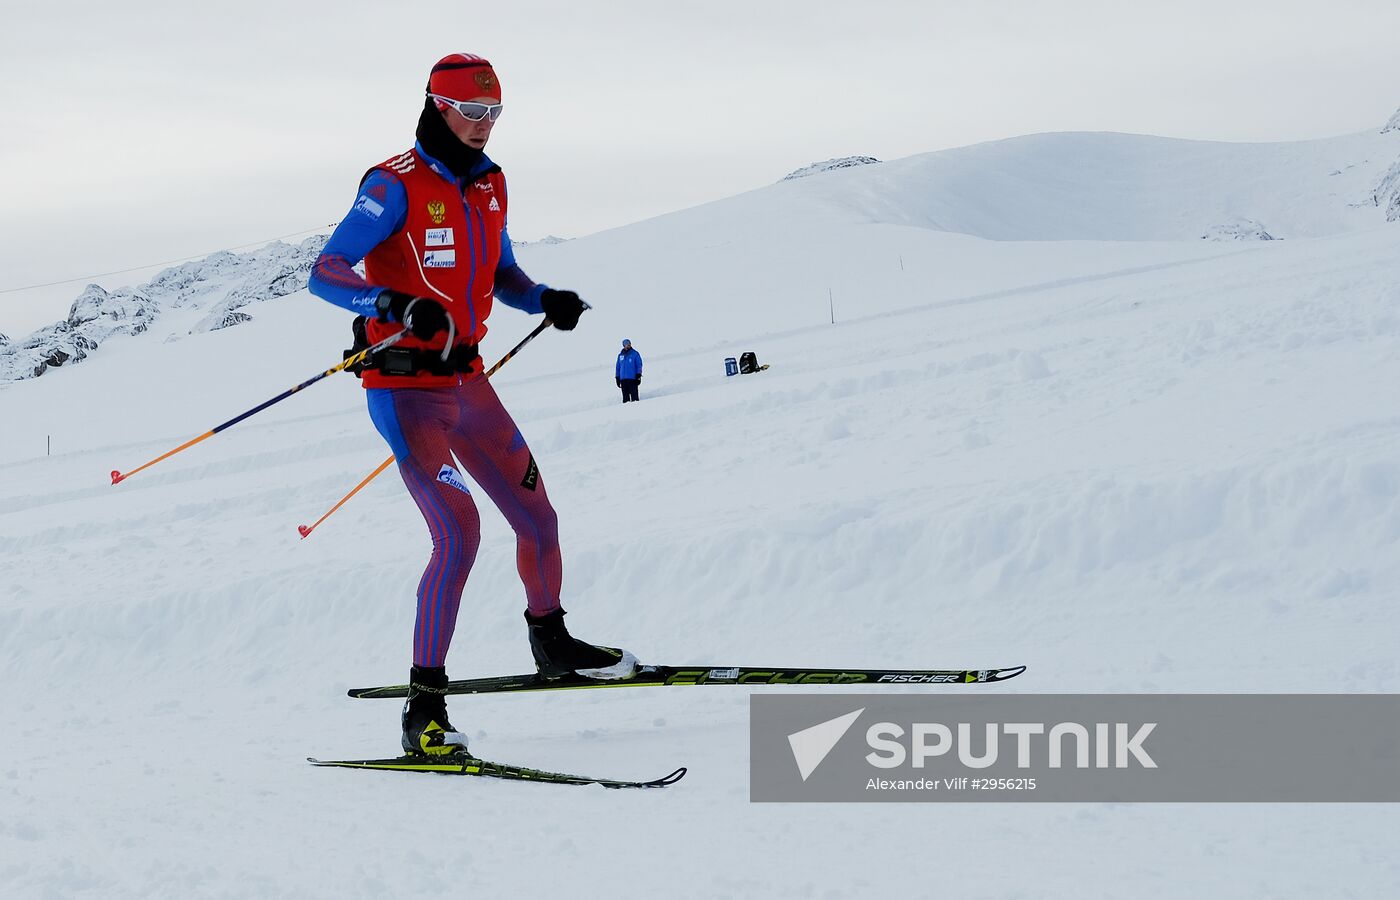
148,131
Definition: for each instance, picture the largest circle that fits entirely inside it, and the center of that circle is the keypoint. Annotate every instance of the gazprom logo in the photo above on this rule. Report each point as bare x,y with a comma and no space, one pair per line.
369,207
448,475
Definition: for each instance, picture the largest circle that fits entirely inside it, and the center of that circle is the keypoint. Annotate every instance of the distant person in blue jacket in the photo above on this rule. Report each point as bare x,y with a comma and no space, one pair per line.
629,371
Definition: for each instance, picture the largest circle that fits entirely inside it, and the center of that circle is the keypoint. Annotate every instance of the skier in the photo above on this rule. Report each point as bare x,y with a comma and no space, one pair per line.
430,225
629,371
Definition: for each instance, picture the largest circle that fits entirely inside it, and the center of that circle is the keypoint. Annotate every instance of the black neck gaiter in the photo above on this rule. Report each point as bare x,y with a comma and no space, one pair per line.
442,145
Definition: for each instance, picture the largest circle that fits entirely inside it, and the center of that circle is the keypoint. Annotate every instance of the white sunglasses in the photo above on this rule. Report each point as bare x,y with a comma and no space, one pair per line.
472,112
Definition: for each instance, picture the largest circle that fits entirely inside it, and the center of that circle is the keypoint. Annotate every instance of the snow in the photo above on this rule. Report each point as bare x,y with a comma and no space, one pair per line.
1050,426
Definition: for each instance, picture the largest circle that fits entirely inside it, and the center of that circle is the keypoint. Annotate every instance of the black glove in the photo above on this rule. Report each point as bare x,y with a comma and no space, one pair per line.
639,379
428,316
562,308
619,382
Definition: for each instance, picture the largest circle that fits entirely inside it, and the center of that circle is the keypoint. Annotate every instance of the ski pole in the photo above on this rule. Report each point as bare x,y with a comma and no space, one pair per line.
118,476
305,530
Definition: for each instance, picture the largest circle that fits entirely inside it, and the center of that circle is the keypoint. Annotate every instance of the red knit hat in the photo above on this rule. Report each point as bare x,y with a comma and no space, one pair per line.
464,76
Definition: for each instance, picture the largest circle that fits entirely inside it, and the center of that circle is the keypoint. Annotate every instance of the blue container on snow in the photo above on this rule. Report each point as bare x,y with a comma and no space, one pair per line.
731,366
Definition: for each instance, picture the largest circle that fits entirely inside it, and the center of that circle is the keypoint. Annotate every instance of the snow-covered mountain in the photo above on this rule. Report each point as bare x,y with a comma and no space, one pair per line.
1238,229
1049,425
546,241
207,295
830,165
1387,193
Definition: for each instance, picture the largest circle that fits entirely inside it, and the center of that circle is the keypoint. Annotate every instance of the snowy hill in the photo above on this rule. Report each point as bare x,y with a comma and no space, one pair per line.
948,226
1050,426
1118,187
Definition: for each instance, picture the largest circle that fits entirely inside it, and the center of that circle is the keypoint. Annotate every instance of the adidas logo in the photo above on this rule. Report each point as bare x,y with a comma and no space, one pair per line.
494,206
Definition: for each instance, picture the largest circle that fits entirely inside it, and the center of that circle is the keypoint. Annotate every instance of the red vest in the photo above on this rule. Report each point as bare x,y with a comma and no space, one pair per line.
447,249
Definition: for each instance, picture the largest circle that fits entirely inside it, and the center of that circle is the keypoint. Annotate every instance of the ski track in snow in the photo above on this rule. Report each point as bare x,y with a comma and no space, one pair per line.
1178,476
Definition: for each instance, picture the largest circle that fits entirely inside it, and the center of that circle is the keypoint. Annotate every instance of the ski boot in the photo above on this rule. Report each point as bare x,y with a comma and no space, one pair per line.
558,653
426,731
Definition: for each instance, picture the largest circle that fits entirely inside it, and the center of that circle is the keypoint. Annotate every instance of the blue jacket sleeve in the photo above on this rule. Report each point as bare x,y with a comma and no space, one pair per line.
513,286
380,209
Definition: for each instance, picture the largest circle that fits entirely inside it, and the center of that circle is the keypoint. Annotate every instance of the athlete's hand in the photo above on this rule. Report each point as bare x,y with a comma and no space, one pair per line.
562,308
426,318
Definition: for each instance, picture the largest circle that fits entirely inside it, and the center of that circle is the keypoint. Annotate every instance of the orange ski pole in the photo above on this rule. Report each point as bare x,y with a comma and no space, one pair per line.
118,476
307,529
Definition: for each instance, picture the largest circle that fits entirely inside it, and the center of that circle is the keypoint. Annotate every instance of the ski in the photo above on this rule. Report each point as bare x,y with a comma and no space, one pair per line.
454,764
669,676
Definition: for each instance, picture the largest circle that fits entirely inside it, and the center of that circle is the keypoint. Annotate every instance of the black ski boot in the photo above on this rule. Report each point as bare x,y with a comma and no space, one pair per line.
559,653
426,731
